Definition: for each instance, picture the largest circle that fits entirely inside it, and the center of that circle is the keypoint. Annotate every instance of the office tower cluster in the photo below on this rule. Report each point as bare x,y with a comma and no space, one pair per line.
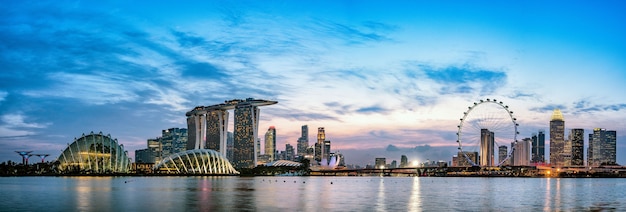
570,152
208,129
565,151
172,141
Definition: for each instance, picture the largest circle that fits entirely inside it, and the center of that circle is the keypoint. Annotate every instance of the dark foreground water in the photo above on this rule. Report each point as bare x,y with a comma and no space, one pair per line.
310,194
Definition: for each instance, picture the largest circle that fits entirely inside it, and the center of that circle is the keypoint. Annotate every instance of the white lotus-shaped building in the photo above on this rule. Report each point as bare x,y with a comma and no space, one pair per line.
94,154
196,161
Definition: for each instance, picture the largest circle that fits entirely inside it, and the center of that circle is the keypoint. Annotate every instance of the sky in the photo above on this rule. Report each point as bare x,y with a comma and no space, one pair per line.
383,79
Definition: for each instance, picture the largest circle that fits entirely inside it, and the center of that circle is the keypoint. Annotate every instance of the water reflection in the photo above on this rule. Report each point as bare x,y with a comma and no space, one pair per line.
309,194
380,203
415,201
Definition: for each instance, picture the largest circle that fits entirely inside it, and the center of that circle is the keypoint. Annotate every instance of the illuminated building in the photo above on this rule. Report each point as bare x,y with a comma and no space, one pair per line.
326,151
577,146
95,154
208,125
557,139
464,157
380,163
155,147
538,147
321,136
602,147
196,161
270,143
486,147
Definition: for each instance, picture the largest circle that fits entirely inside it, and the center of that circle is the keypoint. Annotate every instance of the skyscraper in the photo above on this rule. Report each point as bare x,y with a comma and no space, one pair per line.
521,152
216,130
303,141
270,143
577,142
538,147
602,147
321,136
246,128
289,153
486,147
502,154
557,139
326,151
404,161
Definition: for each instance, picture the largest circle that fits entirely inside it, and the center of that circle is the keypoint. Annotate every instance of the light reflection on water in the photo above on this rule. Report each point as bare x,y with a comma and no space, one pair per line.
309,194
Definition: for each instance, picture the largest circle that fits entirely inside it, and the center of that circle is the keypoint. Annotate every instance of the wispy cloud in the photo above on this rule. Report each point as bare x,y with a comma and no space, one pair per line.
14,125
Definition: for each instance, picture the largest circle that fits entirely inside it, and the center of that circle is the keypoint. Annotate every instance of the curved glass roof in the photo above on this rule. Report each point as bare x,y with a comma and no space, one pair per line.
94,154
196,161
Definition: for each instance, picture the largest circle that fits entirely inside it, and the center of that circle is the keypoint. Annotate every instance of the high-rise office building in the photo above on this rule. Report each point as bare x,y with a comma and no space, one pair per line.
321,137
602,147
557,139
521,152
538,147
326,151
303,141
404,161
502,154
486,147
270,143
289,153
155,147
463,158
577,142
173,140
381,163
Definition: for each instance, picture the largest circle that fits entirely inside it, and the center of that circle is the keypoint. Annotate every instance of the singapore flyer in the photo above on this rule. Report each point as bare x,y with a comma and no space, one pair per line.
487,134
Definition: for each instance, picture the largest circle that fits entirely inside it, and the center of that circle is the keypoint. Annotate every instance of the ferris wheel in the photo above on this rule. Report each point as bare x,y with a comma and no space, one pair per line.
487,133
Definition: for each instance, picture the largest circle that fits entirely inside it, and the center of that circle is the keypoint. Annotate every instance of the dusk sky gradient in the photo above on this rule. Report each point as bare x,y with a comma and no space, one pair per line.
384,79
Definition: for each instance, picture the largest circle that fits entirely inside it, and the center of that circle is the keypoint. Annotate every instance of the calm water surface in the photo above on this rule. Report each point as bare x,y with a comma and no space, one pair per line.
309,194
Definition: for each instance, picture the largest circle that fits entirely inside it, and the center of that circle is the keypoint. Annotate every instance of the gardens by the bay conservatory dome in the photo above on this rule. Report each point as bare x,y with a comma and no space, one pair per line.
94,154
196,161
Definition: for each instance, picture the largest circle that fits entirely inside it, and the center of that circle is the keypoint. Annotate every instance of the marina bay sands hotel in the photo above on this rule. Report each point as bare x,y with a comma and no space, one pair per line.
208,127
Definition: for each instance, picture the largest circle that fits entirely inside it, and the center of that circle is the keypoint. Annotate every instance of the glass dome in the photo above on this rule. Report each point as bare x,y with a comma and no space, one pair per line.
94,154
196,161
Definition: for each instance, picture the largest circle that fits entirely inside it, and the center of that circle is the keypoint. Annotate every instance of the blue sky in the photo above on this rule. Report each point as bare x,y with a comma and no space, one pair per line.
383,79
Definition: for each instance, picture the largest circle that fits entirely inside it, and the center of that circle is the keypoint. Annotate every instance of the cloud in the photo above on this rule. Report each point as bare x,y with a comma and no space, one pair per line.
355,35
14,125
466,79
392,148
422,148
548,108
3,95
372,109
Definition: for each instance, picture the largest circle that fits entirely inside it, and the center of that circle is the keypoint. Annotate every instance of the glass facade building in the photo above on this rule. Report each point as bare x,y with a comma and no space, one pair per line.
196,161
270,143
577,142
557,139
602,147
94,154
539,147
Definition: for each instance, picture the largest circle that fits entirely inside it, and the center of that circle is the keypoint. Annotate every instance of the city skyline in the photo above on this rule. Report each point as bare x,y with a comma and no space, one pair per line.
382,84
